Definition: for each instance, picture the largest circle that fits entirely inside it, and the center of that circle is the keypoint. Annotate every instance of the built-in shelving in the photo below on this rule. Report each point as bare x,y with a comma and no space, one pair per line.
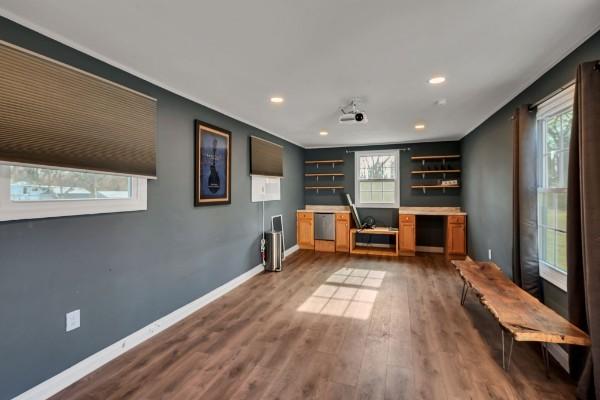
432,167
329,175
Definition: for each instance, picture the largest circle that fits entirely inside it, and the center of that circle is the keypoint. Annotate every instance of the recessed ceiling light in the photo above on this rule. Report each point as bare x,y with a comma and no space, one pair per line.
276,99
420,127
436,80
323,133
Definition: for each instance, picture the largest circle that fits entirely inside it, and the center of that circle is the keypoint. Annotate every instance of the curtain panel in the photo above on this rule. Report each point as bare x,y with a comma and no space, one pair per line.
583,228
525,235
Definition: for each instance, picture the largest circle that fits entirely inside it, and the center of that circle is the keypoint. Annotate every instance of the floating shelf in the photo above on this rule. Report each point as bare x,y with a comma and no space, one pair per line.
446,157
319,162
434,186
444,187
317,188
324,162
442,171
319,175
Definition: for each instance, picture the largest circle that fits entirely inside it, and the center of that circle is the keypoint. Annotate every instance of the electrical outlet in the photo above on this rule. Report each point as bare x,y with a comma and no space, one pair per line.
73,320
490,254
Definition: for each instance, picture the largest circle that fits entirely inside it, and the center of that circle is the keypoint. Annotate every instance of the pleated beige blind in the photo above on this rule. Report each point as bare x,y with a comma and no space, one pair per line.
54,115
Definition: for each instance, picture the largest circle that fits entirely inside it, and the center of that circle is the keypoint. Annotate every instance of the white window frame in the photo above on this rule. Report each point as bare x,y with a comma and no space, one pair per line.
555,105
393,152
19,210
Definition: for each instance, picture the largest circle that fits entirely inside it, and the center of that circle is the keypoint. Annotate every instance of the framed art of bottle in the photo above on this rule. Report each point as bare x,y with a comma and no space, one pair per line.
212,165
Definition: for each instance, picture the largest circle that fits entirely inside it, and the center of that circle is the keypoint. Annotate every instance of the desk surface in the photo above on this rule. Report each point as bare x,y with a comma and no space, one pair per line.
431,211
380,230
326,209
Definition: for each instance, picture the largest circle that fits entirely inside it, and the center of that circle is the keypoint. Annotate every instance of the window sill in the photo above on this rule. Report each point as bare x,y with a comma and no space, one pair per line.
554,276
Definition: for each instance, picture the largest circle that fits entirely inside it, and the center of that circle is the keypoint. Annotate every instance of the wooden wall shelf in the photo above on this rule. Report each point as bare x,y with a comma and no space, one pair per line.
441,171
324,162
317,188
435,186
444,157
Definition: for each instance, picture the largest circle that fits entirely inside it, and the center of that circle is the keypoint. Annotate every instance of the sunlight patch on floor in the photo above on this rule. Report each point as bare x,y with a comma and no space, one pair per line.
347,293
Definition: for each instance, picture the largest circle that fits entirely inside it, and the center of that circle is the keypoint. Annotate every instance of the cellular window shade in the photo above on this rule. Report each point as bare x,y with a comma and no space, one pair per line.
266,158
54,115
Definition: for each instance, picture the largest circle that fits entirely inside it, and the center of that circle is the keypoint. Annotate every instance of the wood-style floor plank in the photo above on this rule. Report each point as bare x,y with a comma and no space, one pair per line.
332,326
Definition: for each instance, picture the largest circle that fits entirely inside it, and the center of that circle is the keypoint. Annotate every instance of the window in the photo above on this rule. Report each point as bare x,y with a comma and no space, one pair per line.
554,131
377,182
33,192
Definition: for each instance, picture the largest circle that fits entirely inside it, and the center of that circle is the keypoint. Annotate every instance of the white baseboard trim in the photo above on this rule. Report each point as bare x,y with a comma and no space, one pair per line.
430,249
72,374
560,355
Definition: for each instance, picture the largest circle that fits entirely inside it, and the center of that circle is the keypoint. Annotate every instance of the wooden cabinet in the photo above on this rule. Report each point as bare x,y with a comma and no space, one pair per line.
342,232
456,237
407,236
305,230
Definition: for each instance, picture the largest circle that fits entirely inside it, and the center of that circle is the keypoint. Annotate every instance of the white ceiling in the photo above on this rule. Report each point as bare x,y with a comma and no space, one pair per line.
234,55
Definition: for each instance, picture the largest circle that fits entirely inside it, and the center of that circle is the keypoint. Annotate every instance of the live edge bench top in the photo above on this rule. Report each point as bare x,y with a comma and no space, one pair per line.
521,314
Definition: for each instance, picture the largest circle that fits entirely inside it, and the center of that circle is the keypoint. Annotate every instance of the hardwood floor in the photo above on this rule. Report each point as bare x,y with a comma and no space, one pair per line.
332,326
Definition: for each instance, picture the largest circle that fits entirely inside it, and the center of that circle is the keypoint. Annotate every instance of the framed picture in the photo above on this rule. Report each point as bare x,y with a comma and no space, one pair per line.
212,165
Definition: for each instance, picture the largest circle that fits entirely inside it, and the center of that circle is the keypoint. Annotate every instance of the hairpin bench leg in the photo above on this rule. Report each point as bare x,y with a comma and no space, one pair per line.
505,362
546,358
463,295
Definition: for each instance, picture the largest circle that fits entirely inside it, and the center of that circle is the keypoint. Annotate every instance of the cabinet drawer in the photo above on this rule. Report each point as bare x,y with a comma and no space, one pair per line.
456,219
305,215
342,217
407,219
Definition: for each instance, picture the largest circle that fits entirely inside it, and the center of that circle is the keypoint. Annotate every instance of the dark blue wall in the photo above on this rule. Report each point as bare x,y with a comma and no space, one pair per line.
126,270
487,160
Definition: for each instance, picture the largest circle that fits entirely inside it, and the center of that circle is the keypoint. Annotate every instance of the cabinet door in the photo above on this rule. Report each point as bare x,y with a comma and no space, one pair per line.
305,232
456,239
342,235
407,237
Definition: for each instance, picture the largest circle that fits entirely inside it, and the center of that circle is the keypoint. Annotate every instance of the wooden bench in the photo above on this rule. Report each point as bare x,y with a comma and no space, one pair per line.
520,314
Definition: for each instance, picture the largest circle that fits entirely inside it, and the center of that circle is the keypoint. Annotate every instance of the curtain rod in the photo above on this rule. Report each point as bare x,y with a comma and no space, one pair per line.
400,149
554,93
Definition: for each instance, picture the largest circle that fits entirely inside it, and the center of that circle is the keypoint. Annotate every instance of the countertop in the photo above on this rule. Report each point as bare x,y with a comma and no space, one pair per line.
326,209
431,211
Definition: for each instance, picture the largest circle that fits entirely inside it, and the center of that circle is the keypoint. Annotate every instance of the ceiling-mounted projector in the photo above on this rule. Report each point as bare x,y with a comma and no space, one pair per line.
353,116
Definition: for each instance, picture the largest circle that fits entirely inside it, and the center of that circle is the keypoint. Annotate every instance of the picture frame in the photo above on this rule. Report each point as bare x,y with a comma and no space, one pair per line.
212,165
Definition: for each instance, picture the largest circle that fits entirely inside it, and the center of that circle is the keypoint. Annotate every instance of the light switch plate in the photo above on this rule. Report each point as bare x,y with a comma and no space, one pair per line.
490,254
73,320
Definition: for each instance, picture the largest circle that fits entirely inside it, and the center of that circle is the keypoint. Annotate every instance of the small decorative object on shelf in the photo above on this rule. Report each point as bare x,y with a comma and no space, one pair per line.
451,182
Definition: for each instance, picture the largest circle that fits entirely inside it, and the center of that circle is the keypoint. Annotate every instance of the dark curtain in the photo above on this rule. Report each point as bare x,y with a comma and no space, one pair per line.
583,228
525,244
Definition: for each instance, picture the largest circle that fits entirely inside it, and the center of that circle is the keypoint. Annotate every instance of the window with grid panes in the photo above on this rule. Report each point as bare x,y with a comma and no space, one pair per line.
554,131
377,178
